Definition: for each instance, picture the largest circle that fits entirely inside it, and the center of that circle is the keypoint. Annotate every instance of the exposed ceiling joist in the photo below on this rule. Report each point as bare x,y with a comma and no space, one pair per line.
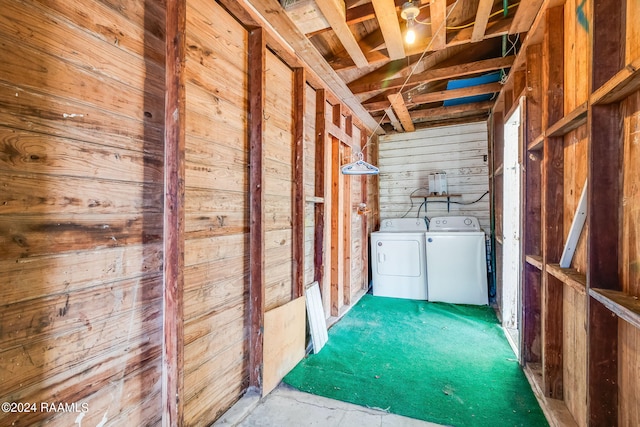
476,67
439,96
525,15
390,27
456,111
398,105
482,18
393,120
438,24
335,13
446,95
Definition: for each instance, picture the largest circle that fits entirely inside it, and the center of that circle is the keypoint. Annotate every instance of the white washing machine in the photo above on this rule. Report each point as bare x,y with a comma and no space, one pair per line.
456,261
398,264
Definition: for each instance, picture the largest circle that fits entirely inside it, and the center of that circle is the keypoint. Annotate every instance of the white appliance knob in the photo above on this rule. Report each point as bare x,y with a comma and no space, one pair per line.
467,221
444,221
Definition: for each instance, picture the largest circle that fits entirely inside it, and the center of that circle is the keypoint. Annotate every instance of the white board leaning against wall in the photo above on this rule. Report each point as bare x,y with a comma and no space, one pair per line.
407,159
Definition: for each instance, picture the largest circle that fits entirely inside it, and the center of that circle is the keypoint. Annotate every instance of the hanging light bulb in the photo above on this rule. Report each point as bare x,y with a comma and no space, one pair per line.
409,12
410,36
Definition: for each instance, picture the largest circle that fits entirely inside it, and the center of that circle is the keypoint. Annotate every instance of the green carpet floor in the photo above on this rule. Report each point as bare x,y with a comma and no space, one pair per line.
444,363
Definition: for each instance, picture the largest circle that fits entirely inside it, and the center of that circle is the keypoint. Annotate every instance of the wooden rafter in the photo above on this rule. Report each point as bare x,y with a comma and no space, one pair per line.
400,108
439,96
482,18
335,13
525,15
435,74
393,119
390,27
438,24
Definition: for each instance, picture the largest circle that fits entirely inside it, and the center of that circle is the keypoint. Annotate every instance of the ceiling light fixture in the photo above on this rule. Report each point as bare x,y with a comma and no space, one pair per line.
409,12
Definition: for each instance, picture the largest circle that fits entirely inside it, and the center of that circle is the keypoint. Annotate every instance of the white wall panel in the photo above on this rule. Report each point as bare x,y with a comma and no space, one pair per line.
406,160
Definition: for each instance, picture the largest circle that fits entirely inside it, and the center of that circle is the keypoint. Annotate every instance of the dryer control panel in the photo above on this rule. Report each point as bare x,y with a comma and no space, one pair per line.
454,223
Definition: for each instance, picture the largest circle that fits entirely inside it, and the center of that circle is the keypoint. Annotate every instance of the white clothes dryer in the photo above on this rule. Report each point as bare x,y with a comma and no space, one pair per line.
456,261
398,264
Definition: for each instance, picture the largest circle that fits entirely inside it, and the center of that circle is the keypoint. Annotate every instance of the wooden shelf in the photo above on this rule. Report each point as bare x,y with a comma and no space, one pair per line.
537,144
571,121
569,276
438,196
620,86
311,199
435,196
625,306
498,170
535,260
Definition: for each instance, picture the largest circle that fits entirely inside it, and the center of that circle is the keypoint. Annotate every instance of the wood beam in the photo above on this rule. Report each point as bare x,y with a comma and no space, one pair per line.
438,10
257,72
335,13
299,89
394,120
482,18
286,39
453,111
319,210
439,96
449,94
390,27
337,263
604,213
398,105
552,204
532,244
364,86
174,176
525,15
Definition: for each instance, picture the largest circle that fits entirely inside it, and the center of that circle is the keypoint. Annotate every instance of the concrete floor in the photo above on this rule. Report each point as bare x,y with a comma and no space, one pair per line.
287,407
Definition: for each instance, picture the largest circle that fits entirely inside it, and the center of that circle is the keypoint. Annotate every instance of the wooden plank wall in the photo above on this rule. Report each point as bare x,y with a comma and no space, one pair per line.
81,172
406,160
82,149
216,206
278,183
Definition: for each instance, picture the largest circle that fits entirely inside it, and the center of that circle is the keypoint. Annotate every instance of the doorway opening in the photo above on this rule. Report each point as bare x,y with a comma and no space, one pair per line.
512,255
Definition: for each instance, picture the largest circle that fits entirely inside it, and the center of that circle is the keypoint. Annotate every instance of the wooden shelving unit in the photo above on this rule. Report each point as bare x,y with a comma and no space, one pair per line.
623,84
624,306
571,325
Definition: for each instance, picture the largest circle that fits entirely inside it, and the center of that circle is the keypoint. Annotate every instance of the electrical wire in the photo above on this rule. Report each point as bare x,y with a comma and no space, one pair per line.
411,199
461,27
425,203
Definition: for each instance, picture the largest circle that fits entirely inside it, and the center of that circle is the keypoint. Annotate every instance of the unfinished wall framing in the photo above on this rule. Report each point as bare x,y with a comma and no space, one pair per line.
580,324
137,258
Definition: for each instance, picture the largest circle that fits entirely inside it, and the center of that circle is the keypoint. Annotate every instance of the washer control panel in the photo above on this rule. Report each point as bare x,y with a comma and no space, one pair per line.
454,223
